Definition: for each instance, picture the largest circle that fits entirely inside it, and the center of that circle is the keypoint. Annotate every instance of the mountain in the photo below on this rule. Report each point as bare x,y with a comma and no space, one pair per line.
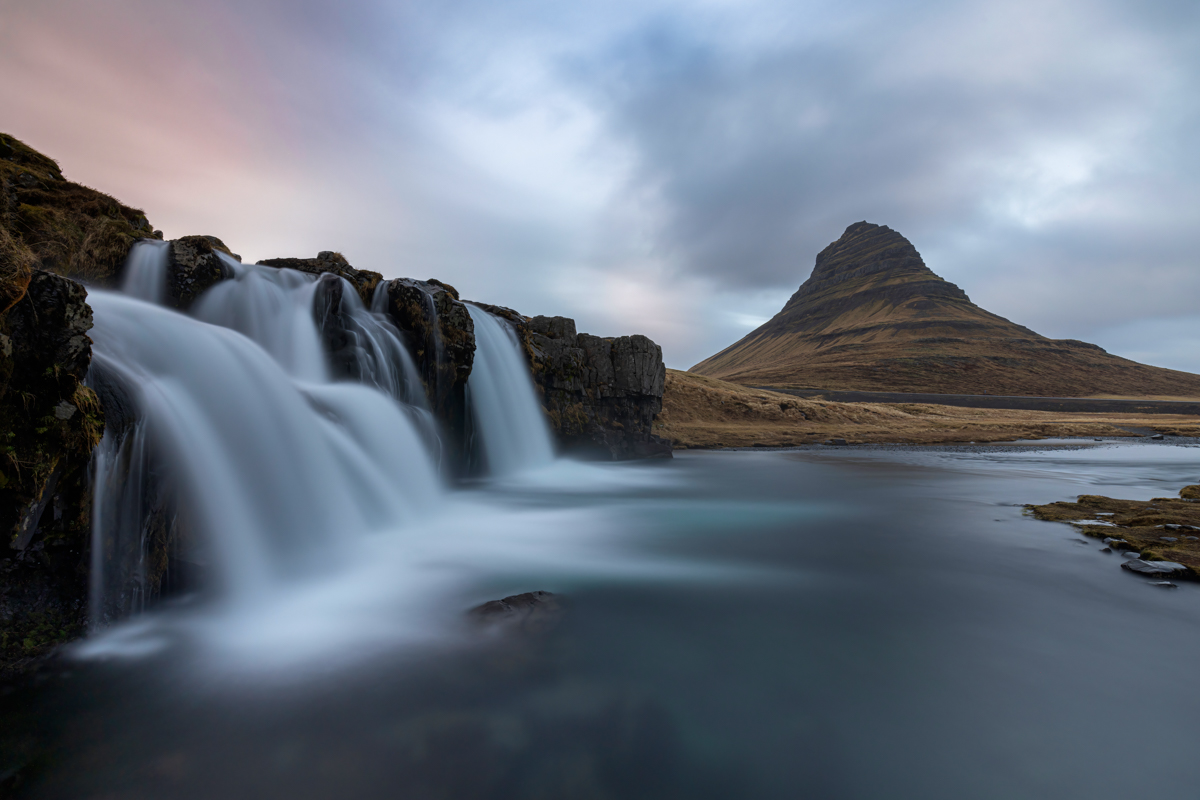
873,317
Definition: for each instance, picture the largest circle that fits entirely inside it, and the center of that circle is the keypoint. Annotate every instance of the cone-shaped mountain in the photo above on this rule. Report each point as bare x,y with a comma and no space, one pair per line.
873,317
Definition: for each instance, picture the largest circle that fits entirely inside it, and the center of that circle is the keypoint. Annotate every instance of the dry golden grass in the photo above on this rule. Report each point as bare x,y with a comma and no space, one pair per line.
699,411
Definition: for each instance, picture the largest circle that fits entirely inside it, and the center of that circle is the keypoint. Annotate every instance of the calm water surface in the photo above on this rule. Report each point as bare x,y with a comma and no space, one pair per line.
833,623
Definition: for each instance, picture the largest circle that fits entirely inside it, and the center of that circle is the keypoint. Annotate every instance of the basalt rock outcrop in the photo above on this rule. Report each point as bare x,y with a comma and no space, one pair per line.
49,422
600,394
329,262
873,317
193,265
441,338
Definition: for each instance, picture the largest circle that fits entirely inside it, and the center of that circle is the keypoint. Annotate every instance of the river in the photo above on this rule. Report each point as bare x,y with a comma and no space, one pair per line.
861,622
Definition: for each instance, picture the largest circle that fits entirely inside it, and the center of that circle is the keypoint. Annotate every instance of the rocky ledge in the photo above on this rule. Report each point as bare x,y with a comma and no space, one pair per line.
601,394
1161,537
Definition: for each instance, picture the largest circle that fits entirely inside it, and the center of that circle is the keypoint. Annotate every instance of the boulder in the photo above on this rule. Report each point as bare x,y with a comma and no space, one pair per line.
193,265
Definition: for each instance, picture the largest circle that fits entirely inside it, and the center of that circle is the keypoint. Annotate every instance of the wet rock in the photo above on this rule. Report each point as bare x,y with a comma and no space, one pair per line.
1168,539
1105,549
441,338
49,423
1156,568
836,442
1157,437
364,281
1163,584
193,265
1117,543
528,613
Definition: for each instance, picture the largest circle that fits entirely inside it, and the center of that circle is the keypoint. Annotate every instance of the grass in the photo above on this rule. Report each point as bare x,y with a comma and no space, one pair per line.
700,411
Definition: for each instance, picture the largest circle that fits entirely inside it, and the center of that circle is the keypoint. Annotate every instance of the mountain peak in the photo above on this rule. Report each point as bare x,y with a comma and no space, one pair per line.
873,317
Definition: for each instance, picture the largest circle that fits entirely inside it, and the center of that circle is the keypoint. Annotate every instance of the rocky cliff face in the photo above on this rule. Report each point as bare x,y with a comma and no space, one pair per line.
601,395
872,316
50,422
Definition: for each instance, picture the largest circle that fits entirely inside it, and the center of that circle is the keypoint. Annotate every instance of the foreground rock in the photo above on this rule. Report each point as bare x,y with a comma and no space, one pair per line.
50,422
1155,530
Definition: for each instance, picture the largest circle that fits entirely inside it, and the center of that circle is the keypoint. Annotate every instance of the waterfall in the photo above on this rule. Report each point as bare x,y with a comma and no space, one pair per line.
504,403
279,465
273,307
146,271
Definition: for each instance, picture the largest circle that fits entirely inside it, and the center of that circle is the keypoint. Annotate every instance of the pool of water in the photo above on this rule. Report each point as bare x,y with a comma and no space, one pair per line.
826,623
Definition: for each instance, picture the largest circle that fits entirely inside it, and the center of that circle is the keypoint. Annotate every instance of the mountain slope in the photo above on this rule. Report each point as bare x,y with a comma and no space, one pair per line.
873,317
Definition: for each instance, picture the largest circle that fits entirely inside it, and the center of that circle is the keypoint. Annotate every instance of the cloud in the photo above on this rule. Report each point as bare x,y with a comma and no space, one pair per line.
666,166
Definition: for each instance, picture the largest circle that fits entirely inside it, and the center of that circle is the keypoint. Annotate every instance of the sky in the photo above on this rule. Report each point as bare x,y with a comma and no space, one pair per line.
660,167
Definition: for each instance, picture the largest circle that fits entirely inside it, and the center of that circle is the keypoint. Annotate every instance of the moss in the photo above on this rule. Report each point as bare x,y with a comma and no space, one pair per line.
1138,522
61,226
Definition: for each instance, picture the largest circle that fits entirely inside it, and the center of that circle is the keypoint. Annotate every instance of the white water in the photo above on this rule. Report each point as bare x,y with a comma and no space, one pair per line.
311,496
504,405
146,271
280,472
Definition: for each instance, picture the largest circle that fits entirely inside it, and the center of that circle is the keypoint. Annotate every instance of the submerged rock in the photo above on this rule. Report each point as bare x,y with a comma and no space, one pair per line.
1164,568
530,613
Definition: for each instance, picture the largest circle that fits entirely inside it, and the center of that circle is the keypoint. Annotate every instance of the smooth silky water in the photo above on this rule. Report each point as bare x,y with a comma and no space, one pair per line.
827,623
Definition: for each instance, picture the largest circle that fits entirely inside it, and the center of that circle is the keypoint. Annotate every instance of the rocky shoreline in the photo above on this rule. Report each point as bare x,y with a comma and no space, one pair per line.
1159,538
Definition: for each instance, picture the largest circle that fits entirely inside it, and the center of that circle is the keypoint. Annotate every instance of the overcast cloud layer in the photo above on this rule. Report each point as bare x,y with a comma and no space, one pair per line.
660,167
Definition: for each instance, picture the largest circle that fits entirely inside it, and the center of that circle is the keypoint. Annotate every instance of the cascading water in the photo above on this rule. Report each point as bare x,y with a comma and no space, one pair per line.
504,404
279,465
146,271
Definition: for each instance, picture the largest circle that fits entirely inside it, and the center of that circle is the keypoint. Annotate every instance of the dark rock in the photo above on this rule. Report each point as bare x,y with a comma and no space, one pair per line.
364,282
193,265
836,442
1105,549
1157,568
50,422
528,613
1157,436
600,394
441,338
1168,539
1163,584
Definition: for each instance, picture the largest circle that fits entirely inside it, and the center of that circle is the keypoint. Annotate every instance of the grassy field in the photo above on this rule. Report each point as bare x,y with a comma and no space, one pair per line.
705,412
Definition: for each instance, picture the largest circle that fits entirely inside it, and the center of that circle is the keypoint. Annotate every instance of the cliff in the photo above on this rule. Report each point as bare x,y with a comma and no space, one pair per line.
873,317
